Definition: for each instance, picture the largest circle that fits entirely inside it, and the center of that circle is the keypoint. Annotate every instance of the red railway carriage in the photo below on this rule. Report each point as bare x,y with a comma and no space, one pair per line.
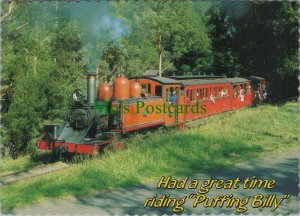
103,120
218,95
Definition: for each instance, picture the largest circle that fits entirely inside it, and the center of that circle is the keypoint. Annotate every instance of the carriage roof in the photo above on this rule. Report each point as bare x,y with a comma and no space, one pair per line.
189,82
235,80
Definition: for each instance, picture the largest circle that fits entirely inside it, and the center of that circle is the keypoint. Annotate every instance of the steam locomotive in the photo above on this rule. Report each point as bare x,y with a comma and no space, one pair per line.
147,101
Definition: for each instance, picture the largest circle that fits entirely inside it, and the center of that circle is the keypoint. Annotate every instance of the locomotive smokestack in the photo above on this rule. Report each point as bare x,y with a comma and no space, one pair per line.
91,87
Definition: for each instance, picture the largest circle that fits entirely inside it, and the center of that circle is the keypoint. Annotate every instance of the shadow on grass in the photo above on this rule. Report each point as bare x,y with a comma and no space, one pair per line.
130,200
189,154
197,153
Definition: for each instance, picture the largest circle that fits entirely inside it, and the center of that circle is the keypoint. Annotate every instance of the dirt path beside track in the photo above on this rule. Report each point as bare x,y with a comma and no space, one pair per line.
281,166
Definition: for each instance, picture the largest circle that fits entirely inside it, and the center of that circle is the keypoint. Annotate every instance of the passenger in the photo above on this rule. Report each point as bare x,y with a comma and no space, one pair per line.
259,88
267,90
222,93
212,98
241,95
173,97
144,93
226,93
249,89
235,92
242,91
264,95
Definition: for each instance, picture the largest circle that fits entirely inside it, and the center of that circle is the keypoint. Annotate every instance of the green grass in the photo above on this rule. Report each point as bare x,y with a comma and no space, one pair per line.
25,162
21,163
219,143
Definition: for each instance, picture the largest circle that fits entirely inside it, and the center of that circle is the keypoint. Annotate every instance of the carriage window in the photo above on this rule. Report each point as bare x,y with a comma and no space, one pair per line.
242,89
201,94
235,91
147,87
221,92
227,91
248,88
158,90
195,94
216,92
187,95
242,86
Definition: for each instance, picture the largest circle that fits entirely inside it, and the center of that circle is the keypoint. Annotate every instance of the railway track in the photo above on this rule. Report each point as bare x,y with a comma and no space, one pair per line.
16,176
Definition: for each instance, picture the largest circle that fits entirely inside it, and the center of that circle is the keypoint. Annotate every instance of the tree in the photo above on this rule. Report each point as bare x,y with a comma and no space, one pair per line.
261,41
268,39
113,61
223,34
170,29
42,65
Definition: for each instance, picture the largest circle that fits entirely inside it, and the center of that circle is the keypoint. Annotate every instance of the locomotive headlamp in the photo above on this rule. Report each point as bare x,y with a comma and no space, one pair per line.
77,96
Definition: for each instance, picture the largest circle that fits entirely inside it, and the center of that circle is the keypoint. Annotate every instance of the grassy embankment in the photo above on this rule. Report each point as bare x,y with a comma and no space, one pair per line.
219,143
23,162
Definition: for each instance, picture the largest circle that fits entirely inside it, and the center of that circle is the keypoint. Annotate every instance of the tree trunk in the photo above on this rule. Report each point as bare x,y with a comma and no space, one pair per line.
160,64
11,4
160,51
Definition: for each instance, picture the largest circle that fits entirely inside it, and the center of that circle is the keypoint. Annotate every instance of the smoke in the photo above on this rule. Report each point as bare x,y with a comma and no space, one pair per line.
235,9
115,25
97,26
94,22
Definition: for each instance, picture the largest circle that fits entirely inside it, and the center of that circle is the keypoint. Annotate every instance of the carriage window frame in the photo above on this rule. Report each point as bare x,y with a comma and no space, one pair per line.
201,94
167,96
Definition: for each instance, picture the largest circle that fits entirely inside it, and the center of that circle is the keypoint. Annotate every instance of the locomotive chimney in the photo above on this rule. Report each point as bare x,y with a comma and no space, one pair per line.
91,87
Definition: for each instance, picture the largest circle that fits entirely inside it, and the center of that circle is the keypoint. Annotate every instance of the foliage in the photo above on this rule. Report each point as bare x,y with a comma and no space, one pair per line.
158,34
113,61
261,41
42,66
